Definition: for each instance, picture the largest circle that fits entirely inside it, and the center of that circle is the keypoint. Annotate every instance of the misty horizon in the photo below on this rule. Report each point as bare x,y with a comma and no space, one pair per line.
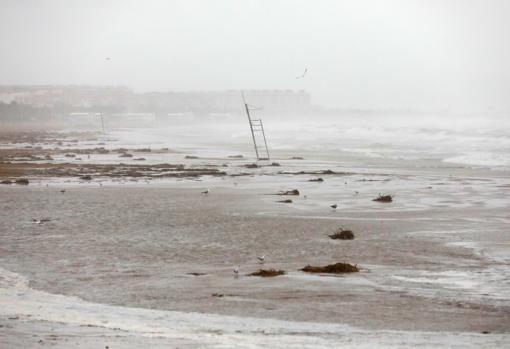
417,55
255,174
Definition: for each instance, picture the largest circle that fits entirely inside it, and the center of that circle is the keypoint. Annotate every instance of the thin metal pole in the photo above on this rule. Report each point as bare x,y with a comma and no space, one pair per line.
265,143
251,125
102,122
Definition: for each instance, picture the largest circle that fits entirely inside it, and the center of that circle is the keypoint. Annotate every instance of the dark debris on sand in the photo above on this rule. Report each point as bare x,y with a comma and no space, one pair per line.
268,272
251,165
342,234
383,198
319,172
289,192
338,268
287,201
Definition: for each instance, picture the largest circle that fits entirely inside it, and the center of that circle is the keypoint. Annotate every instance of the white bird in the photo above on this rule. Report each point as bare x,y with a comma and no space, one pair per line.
236,271
302,75
206,191
261,259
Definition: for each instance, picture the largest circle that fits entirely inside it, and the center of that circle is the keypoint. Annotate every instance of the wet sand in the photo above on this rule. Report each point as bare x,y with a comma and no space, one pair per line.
430,273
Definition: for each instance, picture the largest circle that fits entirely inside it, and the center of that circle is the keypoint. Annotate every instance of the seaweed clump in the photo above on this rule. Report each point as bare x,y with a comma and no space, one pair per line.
287,201
383,198
342,234
251,165
268,272
289,192
337,268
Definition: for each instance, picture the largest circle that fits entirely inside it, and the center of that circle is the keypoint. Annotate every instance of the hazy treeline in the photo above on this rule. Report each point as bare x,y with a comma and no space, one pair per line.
14,112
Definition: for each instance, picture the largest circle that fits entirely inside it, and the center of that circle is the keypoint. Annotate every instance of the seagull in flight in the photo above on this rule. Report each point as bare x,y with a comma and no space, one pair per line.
302,75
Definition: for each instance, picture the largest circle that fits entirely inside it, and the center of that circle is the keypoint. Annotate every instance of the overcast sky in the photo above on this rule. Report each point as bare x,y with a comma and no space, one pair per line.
418,54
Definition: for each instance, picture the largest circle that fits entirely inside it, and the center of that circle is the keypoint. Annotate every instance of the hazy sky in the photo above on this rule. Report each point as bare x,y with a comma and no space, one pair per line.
419,54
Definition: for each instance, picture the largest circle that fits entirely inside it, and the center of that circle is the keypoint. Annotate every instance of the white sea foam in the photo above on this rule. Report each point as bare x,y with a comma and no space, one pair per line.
217,331
482,143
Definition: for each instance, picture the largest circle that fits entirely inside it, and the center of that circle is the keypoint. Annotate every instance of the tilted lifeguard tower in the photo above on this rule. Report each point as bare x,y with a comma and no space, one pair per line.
257,133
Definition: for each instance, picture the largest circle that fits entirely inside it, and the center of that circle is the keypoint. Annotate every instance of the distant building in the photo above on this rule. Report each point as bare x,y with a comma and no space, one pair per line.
121,102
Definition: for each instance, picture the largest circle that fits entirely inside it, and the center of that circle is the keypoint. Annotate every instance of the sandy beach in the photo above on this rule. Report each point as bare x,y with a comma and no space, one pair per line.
137,255
288,174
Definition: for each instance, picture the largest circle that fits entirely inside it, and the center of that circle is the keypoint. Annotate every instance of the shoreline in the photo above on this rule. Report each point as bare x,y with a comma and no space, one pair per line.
33,318
426,256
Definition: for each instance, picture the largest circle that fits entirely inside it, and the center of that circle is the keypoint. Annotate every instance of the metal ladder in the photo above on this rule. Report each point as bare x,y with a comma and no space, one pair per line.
257,131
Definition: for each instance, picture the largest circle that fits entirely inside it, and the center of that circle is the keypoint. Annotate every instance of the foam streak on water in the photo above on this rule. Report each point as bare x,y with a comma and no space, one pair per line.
17,299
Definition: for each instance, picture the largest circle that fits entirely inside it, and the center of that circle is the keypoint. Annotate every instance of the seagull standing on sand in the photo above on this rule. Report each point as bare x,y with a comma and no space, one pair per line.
206,191
261,259
334,206
236,272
